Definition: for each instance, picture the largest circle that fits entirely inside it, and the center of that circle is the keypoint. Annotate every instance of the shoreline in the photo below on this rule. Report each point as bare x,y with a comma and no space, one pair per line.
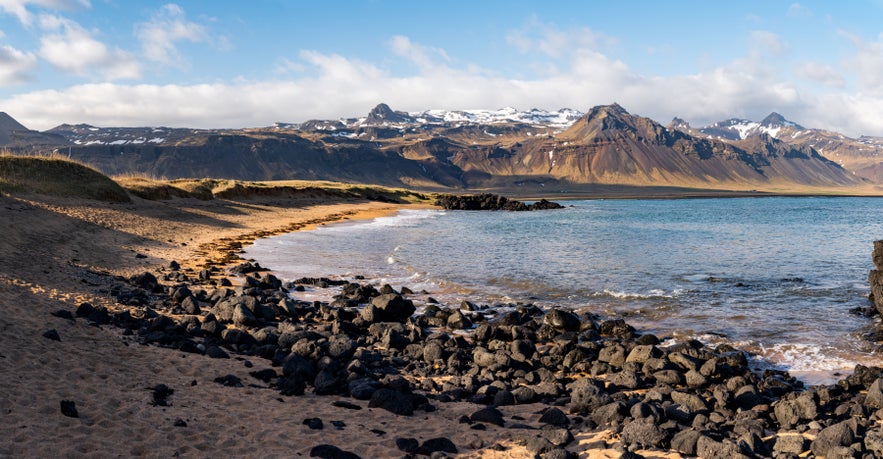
58,275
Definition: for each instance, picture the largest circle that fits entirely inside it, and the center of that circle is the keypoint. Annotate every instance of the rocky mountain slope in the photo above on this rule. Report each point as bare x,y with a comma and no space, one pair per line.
861,156
535,151
13,135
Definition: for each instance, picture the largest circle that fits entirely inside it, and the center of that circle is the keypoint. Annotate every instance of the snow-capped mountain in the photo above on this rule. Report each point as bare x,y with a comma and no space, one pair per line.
862,156
383,116
85,134
741,129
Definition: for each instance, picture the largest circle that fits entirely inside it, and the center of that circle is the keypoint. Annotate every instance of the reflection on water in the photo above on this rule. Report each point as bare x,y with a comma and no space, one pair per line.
777,276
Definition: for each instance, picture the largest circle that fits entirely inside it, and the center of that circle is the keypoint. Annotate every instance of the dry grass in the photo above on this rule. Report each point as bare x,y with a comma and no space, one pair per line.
159,189
57,176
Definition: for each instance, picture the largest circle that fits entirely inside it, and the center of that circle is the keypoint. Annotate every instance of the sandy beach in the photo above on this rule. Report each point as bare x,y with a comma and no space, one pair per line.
57,253
74,387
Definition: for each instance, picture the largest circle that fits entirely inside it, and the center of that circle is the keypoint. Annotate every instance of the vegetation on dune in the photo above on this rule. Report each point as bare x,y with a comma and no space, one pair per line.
57,176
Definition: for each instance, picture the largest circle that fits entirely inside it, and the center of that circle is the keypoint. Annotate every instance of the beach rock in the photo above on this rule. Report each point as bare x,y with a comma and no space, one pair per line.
437,444
708,448
554,416
587,394
626,379
643,432
341,347
52,335
669,377
790,443
314,423
293,385
63,314
559,453
407,445
692,401
489,415
266,375
328,382
190,306
695,379
685,441
392,308
789,411
161,393
147,281
392,401
874,398
331,452
831,438
458,321
611,413
229,381
616,328
747,397
613,354
562,320
873,442
69,409
642,353
179,294
242,316
522,350
216,352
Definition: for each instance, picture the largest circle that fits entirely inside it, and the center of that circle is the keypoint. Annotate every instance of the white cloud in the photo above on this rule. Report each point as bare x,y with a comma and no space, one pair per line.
19,8
822,73
328,86
71,48
547,39
422,56
867,63
159,35
768,42
796,10
16,67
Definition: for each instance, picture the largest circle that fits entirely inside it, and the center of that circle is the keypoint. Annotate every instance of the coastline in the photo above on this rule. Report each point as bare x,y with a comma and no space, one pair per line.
59,253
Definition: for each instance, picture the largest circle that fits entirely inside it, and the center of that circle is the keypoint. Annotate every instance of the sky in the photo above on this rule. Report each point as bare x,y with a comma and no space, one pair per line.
233,64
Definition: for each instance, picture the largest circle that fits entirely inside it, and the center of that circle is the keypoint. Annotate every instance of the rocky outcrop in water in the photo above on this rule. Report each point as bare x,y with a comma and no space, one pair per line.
488,201
875,278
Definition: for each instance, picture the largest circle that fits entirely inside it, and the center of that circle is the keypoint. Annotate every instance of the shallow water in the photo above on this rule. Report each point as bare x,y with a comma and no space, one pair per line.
775,276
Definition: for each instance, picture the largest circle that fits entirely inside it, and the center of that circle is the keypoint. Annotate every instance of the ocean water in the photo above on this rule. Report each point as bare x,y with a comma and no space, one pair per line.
774,276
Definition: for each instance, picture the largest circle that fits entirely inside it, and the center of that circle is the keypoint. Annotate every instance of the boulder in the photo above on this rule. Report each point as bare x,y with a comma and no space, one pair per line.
392,401
392,308
562,320
831,438
874,399
587,394
643,432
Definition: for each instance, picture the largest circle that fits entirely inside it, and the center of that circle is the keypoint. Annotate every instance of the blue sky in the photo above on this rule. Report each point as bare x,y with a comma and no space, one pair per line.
246,64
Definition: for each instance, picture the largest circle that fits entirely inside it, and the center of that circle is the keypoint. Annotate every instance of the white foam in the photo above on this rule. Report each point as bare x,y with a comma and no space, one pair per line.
655,293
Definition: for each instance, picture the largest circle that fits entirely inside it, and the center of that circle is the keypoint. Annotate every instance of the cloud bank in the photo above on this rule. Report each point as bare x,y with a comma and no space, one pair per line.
579,71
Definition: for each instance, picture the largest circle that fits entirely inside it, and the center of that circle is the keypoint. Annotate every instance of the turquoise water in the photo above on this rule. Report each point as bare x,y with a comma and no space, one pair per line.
776,276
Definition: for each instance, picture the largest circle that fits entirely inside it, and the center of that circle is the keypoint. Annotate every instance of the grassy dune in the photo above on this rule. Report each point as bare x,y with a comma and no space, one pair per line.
57,177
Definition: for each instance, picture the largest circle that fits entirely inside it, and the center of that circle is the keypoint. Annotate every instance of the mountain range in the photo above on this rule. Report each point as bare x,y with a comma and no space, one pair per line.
506,149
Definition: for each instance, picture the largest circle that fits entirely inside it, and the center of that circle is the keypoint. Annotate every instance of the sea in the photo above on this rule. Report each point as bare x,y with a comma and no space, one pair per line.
779,277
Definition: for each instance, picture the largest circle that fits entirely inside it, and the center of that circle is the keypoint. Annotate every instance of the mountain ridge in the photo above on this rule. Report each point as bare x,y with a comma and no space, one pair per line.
466,149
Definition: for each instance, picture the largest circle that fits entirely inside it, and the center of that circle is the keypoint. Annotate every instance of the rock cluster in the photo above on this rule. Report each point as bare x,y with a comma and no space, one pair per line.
488,201
589,373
